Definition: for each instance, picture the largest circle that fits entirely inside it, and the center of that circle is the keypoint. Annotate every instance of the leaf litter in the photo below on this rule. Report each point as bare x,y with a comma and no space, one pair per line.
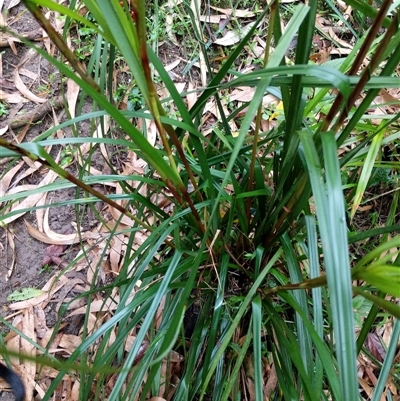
67,343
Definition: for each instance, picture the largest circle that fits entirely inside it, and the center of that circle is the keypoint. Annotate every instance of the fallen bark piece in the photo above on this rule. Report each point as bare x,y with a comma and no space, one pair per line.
37,113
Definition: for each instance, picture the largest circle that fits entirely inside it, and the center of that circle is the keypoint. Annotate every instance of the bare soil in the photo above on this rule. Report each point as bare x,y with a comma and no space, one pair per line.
28,252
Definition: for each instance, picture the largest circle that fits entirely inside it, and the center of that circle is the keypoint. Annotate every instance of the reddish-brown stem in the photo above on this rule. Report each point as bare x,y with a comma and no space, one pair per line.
354,69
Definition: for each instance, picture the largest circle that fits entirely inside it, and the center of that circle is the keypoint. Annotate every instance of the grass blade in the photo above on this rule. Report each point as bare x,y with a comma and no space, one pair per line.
257,317
329,203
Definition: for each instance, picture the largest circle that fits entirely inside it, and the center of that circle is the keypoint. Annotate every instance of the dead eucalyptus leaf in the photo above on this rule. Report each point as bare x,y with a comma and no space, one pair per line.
212,19
25,91
389,98
52,253
28,328
234,36
169,22
13,98
5,181
72,96
31,200
60,239
236,13
11,244
3,130
375,346
191,97
172,3
27,73
12,4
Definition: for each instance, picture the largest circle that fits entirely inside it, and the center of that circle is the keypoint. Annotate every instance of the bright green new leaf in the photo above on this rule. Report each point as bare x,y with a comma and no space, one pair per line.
384,277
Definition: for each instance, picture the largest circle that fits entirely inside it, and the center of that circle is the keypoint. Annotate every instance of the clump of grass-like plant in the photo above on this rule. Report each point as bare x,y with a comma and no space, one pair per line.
256,247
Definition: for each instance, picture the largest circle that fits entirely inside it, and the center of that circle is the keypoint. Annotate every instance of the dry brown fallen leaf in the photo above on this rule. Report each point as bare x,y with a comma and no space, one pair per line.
389,98
169,23
6,180
52,254
11,244
211,106
117,247
98,133
31,200
235,12
97,306
191,97
28,328
234,36
375,346
365,386
213,19
22,88
13,98
12,4
172,3
40,322
272,381
72,96
59,239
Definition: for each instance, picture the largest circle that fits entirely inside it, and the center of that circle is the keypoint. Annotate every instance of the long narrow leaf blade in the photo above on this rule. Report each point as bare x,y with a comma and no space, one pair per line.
329,204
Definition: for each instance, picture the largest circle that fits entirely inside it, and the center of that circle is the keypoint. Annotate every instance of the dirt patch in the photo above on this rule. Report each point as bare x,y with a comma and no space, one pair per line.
26,79
16,244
